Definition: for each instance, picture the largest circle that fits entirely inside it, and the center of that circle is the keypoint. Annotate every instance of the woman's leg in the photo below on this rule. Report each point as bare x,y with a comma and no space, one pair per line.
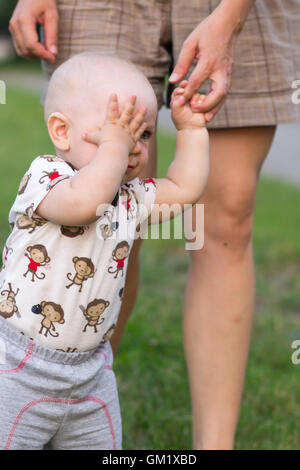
220,291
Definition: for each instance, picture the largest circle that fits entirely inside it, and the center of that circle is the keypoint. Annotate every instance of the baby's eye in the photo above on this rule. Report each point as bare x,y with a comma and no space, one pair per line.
145,135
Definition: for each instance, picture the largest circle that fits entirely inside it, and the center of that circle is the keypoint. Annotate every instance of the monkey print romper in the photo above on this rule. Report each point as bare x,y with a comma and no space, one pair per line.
60,295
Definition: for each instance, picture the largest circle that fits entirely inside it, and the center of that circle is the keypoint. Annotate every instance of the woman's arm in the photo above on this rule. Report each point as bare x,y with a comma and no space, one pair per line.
212,43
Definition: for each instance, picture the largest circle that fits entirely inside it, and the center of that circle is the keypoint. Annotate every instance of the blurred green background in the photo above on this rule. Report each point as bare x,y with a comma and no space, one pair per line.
150,366
6,9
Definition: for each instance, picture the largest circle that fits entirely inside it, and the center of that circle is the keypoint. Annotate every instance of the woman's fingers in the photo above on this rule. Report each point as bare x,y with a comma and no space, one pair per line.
22,26
200,73
185,59
217,93
208,116
51,30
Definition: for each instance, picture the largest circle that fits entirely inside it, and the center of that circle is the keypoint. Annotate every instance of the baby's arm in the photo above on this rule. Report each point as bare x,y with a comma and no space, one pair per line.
74,201
187,174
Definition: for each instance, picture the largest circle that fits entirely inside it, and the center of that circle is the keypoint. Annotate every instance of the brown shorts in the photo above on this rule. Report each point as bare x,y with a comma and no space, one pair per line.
150,33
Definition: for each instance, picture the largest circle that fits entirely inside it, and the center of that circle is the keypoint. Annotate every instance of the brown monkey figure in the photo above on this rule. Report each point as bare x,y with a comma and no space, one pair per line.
107,336
37,256
126,197
84,268
107,229
28,221
24,183
7,252
67,350
93,312
70,231
51,158
8,307
52,313
53,176
146,182
119,255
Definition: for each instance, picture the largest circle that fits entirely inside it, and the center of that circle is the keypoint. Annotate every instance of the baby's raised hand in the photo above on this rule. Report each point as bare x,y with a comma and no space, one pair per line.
184,114
125,127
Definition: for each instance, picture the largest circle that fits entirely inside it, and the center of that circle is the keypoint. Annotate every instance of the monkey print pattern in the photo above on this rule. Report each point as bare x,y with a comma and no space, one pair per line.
84,268
37,256
50,158
52,313
119,255
67,350
28,221
93,312
8,251
24,183
126,197
107,336
8,307
70,231
53,176
107,229
145,183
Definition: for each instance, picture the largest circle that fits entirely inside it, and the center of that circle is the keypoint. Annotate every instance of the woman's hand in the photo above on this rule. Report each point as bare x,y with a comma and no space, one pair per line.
212,43
22,26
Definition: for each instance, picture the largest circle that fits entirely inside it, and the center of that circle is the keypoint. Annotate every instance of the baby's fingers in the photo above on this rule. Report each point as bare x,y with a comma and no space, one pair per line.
92,137
180,89
138,120
112,113
140,131
127,112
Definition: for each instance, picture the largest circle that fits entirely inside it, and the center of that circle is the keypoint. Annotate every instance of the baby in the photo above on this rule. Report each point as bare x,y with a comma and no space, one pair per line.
65,261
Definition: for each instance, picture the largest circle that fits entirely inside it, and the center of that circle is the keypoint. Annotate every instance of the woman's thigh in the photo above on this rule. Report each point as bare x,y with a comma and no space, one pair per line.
236,157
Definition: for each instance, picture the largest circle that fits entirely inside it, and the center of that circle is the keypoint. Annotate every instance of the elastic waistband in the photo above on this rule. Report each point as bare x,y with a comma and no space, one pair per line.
21,341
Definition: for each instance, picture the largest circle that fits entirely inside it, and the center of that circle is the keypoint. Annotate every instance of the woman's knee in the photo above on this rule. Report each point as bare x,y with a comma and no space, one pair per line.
228,219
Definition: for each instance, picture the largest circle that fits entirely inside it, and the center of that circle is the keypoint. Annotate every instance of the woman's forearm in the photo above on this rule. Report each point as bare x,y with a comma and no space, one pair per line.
236,11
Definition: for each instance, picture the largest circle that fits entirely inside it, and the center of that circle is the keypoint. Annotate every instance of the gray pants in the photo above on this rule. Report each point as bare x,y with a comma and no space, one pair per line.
56,399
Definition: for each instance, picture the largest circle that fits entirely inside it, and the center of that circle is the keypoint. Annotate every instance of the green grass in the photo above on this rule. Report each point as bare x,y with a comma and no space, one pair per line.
150,365
21,65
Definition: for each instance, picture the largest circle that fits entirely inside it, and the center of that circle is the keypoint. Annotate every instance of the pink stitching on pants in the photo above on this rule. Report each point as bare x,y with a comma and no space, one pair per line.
22,363
60,400
105,357
101,352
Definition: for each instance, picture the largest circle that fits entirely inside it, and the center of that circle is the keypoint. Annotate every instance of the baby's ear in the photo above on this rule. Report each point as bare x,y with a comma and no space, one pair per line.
58,127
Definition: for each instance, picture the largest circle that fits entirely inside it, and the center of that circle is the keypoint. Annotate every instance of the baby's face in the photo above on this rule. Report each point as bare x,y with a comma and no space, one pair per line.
91,117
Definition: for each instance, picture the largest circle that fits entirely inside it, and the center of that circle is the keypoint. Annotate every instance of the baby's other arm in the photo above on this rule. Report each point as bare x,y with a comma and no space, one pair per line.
187,175
74,201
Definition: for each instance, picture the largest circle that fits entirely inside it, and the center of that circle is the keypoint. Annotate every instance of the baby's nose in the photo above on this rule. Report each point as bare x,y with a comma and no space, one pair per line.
136,149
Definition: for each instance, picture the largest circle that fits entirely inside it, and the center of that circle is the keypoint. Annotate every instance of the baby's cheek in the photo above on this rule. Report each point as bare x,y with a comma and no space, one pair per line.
85,152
